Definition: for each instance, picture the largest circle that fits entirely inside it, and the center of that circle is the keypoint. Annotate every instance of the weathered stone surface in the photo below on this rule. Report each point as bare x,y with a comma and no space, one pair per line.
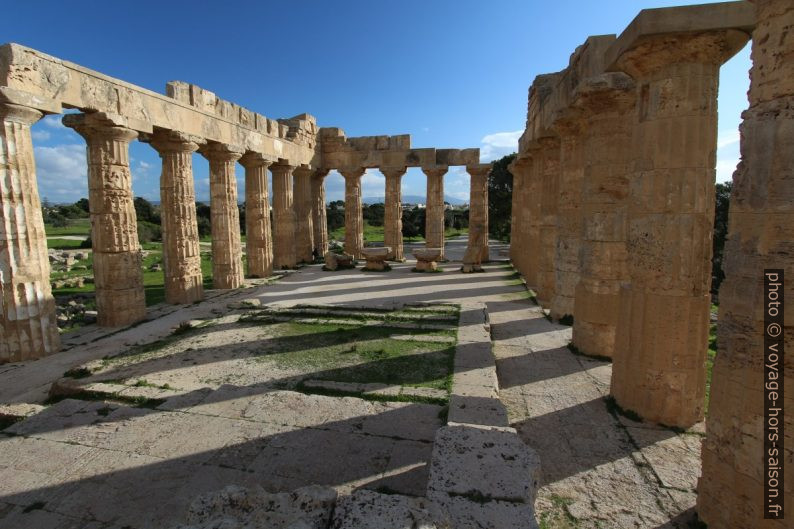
477,249
284,253
319,222
181,255
227,253
365,509
354,217
335,261
547,163
376,257
28,325
237,507
304,230
258,239
662,333
731,489
427,258
392,215
114,234
434,220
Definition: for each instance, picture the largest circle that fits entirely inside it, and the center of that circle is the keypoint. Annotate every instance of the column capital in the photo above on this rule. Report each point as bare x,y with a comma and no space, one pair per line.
302,170
221,152
393,172
12,96
164,141
19,114
251,160
435,171
604,93
352,172
320,174
100,125
479,170
283,166
521,161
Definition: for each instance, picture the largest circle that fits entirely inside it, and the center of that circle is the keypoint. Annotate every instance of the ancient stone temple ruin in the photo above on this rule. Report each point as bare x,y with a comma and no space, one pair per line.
613,212
611,229
187,119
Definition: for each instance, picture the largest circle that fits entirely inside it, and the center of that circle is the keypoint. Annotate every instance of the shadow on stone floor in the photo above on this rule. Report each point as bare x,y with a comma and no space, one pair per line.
686,520
141,468
581,437
539,366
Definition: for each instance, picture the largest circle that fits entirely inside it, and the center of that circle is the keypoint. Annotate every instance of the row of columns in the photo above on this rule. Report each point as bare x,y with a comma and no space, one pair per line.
299,229
435,208
615,214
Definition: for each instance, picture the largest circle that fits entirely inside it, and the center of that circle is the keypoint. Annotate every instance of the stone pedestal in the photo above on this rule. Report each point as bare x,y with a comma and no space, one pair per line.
118,277
319,223
181,255
227,263
548,160
354,217
376,258
28,328
284,255
478,218
434,213
662,335
605,188
304,231
569,214
258,240
731,489
427,259
393,212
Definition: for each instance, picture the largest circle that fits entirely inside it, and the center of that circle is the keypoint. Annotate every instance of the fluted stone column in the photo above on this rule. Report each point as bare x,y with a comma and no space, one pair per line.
181,253
731,489
354,216
659,370
549,161
569,214
227,256
118,277
478,218
520,169
28,328
319,222
258,241
434,214
284,255
605,188
531,192
304,230
392,216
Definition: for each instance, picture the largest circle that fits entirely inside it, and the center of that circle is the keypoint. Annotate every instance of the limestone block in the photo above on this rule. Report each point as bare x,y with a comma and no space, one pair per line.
336,261
238,507
486,475
376,257
427,258
365,509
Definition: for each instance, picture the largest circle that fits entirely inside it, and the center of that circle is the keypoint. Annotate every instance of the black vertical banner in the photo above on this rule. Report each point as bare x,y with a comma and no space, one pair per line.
774,455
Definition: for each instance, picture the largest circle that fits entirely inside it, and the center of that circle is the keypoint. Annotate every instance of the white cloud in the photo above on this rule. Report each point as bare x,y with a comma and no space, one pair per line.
40,135
727,137
62,172
499,144
54,121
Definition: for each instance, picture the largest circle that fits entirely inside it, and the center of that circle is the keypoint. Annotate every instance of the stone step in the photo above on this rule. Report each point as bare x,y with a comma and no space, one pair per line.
383,390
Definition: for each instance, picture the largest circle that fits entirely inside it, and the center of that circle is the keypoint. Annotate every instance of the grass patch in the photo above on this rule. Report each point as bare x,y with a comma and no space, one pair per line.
78,372
558,517
74,227
63,244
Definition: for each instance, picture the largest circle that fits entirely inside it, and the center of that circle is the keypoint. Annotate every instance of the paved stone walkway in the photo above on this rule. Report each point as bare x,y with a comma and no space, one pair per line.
598,469
90,464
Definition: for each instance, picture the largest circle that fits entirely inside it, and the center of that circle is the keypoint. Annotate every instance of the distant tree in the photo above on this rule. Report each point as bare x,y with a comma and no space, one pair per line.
149,232
55,218
203,210
145,210
721,204
337,204
413,222
83,204
241,213
334,217
500,198
374,214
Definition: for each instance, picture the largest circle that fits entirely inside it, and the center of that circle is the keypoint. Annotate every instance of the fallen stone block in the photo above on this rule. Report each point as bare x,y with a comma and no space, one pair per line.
365,509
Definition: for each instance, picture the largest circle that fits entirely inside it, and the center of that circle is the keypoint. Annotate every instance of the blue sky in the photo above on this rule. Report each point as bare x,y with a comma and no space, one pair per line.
450,73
